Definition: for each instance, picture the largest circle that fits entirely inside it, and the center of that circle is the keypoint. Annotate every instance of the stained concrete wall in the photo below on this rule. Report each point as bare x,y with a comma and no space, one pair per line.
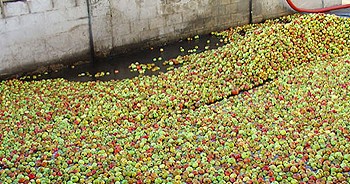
317,3
39,32
270,9
36,33
128,23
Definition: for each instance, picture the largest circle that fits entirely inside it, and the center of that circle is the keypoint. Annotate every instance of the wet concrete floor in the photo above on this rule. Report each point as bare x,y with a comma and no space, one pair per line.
117,67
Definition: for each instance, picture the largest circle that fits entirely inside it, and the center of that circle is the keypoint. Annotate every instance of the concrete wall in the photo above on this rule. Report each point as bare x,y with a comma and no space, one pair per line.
36,33
127,23
270,9
316,3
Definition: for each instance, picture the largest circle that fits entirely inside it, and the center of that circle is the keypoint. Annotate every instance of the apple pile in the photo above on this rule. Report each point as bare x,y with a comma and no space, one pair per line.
271,105
294,129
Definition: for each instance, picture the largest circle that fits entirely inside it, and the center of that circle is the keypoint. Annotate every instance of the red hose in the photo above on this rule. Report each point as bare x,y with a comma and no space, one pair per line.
319,10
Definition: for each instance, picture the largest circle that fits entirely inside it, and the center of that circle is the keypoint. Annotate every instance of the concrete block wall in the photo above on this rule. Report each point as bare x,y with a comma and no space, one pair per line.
35,33
266,9
127,23
137,23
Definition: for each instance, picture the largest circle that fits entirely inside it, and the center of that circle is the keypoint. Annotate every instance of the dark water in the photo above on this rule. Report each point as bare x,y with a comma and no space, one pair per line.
117,66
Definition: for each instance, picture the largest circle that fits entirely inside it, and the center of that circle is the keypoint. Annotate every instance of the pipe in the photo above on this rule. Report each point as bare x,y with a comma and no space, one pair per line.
319,10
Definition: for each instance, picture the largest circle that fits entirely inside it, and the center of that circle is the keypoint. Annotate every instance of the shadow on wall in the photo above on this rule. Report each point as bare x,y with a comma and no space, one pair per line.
265,9
140,23
144,22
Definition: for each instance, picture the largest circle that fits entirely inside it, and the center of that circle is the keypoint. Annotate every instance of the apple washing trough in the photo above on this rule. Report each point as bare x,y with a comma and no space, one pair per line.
270,106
